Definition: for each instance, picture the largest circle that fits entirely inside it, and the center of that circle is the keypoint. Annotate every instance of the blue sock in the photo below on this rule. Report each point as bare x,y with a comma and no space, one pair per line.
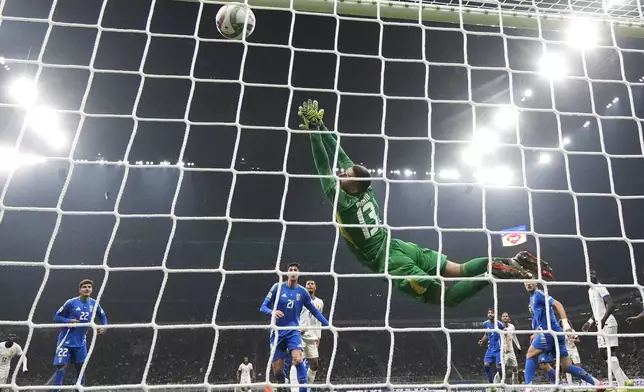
530,369
301,375
59,377
488,373
552,375
581,373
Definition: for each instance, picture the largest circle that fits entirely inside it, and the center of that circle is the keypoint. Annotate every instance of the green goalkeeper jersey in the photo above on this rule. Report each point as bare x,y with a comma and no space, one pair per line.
368,240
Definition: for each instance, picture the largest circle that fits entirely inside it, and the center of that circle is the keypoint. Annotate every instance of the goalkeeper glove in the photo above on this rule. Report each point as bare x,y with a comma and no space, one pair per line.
311,115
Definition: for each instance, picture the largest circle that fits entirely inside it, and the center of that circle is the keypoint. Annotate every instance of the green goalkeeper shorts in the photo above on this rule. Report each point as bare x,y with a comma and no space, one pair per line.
409,259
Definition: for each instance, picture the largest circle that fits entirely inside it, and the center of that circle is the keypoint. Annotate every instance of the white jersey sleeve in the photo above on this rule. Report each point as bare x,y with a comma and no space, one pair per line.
510,337
308,320
20,353
596,296
570,342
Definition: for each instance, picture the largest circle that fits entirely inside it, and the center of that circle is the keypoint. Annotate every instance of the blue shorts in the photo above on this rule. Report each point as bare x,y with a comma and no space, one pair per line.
286,342
67,355
493,356
546,358
547,344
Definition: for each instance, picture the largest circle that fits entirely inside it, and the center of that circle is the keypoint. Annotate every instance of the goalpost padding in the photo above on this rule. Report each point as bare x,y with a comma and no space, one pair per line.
407,11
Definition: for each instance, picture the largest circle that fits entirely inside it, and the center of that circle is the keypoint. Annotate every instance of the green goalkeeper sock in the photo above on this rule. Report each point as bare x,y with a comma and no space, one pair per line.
463,290
475,267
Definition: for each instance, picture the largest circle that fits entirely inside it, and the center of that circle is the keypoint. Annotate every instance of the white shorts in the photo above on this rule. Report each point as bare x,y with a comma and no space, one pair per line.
574,356
510,359
608,341
244,381
311,348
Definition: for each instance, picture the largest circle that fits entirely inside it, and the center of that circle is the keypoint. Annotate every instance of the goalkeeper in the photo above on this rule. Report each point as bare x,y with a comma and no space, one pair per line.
357,205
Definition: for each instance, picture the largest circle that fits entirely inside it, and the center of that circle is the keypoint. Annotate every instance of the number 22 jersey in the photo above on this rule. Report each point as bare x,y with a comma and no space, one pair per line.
81,311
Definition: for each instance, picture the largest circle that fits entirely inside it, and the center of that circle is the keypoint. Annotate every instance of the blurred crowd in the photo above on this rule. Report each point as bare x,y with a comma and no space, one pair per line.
188,356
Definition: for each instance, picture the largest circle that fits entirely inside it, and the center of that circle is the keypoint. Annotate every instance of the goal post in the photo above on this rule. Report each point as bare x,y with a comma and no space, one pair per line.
522,14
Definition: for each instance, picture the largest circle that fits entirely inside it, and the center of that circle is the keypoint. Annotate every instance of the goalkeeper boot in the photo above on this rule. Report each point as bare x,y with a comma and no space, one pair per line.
531,263
503,271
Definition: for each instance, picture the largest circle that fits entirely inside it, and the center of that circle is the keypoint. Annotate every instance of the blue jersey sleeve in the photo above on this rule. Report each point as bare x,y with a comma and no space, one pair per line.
500,325
539,298
269,301
62,314
314,311
101,314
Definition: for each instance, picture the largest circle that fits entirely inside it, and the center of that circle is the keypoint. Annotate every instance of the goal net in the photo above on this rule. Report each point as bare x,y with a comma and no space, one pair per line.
142,150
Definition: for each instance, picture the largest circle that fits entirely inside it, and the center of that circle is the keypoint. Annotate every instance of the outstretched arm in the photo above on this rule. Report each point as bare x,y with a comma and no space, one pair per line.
330,143
323,167
314,311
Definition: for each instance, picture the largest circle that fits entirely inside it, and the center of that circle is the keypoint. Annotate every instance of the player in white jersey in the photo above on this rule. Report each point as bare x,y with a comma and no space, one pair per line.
245,374
311,337
509,357
8,350
602,306
573,352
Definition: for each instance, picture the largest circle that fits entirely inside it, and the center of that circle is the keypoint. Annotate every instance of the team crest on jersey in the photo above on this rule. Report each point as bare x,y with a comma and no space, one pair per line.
297,297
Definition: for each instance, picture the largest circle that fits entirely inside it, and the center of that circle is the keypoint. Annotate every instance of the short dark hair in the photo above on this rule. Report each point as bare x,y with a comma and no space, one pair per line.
490,310
362,172
293,264
84,282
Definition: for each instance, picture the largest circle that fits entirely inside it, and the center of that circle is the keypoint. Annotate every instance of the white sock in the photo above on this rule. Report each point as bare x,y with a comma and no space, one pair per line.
310,376
569,378
613,363
610,373
497,376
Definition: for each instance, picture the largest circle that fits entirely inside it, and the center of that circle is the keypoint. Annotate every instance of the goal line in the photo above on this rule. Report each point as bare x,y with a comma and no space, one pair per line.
627,20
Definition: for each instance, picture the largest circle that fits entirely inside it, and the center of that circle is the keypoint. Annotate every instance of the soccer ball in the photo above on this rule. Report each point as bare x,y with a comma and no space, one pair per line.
231,20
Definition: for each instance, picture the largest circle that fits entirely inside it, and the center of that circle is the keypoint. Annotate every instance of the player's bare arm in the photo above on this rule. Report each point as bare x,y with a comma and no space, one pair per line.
635,318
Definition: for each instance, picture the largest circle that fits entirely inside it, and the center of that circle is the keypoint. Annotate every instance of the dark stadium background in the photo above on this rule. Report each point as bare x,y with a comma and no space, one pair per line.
189,298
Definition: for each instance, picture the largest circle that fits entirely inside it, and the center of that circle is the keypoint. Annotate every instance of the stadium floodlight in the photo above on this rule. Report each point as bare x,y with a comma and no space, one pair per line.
566,141
2,60
544,158
472,156
586,124
485,140
528,93
449,174
379,170
45,123
553,66
23,91
408,172
581,33
494,176
616,99
10,159
505,117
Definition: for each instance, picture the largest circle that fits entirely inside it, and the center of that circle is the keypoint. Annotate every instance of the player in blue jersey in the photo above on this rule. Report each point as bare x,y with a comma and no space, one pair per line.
543,309
493,353
284,302
71,346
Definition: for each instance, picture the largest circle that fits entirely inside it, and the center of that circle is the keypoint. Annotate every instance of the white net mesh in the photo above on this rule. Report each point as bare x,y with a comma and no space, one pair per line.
142,150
